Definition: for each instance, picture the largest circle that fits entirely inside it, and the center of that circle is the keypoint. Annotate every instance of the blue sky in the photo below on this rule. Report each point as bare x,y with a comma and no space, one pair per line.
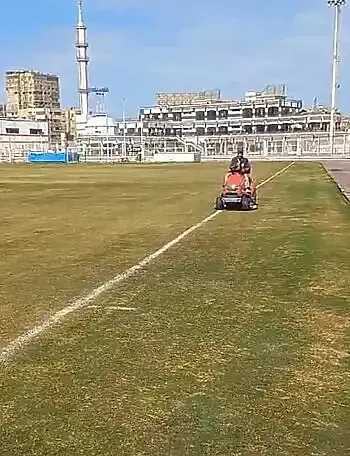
139,47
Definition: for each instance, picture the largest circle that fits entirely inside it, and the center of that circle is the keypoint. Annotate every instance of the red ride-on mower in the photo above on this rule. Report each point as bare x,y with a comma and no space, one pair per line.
236,194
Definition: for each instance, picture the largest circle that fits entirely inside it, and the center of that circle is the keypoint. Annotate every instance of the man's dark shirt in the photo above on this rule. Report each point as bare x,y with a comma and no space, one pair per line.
240,164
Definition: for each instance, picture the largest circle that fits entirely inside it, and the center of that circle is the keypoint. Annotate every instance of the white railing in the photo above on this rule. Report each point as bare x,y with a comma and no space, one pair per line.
296,147
13,156
115,149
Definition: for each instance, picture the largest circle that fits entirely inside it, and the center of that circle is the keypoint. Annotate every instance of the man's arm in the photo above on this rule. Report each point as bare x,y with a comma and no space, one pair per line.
234,163
247,167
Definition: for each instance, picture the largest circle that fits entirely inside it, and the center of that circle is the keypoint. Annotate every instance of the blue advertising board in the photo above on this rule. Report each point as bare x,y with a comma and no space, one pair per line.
53,157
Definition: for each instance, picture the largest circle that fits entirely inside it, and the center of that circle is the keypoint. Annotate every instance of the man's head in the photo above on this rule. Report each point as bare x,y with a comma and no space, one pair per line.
240,149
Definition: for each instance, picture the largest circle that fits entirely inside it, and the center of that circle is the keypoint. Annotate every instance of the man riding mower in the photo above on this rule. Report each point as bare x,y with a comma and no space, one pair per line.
240,164
238,189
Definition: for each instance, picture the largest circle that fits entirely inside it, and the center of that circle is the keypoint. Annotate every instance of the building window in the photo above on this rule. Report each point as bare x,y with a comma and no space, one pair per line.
211,115
223,114
177,116
199,115
36,131
235,113
286,111
285,128
12,130
247,113
272,128
260,112
248,129
273,111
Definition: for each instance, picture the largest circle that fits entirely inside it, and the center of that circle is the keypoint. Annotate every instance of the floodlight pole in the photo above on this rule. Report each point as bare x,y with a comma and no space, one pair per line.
124,128
108,158
337,5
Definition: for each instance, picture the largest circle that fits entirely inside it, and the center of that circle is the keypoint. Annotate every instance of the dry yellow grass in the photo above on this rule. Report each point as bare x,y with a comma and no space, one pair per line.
237,345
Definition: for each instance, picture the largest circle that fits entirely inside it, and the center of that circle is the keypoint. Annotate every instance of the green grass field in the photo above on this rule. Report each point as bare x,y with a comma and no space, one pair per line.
236,340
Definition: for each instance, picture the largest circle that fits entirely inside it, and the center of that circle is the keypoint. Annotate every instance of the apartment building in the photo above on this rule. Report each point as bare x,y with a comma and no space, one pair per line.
35,96
28,89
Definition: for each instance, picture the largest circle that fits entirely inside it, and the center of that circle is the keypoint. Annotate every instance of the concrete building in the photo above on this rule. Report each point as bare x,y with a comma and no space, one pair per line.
53,117
266,112
28,89
35,96
20,136
69,125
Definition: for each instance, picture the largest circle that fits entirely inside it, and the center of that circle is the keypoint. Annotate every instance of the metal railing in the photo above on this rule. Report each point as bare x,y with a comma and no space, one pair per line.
115,149
279,147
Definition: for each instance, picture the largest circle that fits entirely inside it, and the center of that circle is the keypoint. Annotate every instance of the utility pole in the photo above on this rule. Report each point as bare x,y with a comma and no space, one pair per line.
337,5
124,128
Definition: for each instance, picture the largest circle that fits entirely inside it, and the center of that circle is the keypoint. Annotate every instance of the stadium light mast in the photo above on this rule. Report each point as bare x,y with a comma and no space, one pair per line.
124,127
337,5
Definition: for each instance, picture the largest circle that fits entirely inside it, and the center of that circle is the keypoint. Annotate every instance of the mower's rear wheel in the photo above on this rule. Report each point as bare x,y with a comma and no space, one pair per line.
219,205
245,203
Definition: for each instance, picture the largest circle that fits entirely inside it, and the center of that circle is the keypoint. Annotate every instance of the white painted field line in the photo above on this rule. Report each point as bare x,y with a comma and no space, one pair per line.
22,341
110,308
266,181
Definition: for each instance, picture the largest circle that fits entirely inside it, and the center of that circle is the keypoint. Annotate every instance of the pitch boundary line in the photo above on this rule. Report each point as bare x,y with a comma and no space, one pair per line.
20,342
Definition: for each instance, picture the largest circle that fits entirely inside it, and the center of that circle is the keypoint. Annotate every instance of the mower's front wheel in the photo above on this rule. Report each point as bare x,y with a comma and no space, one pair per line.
219,205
